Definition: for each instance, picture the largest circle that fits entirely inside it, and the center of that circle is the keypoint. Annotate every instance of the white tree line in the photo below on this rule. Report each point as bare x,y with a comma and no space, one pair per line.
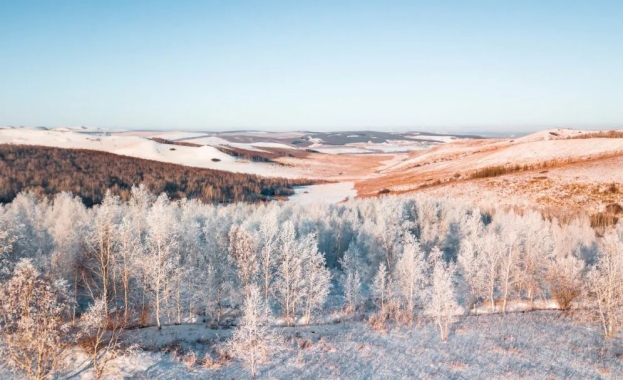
151,261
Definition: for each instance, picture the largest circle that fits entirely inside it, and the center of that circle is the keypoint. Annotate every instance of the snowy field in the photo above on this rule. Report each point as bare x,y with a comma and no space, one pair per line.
327,193
531,345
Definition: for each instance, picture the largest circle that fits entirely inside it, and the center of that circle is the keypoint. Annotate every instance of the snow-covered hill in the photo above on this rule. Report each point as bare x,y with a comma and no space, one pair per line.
142,147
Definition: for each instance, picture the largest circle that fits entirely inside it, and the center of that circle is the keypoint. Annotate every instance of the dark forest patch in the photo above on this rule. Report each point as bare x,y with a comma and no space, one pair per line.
88,174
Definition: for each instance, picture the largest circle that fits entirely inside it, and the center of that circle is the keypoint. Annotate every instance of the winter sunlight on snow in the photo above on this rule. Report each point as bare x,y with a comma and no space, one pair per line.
311,190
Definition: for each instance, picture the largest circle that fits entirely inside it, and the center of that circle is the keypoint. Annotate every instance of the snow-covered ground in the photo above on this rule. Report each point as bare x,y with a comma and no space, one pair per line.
141,147
531,345
326,193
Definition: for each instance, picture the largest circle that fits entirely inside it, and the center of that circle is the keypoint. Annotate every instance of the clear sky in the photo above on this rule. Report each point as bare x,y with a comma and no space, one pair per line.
312,64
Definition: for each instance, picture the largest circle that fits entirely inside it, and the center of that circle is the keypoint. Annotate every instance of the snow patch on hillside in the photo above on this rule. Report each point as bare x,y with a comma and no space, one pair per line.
327,193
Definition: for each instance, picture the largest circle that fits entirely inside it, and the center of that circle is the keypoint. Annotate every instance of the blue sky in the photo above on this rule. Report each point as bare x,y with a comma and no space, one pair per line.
319,65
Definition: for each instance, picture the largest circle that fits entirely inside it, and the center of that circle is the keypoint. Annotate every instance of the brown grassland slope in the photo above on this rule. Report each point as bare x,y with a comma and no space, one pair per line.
548,170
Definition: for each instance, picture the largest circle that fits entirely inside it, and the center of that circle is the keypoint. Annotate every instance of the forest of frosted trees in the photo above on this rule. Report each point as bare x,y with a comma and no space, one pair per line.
155,262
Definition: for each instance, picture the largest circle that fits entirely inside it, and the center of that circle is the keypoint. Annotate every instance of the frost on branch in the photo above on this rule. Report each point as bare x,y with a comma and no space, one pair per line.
317,277
100,335
441,302
409,279
243,252
253,341
604,285
351,277
380,285
34,328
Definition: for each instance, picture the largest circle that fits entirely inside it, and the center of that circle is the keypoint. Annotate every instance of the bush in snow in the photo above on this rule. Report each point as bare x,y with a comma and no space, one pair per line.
100,335
564,280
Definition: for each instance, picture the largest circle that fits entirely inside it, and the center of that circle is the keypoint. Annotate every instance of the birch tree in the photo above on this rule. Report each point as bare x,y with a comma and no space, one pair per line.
218,272
441,302
605,285
161,243
253,341
100,248
317,278
290,278
381,285
351,277
409,276
243,251
269,238
34,322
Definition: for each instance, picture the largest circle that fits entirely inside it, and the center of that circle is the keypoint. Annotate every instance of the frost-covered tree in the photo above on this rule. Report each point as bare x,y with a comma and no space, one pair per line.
510,254
537,246
100,243
441,302
289,278
480,259
159,264
253,341
28,225
268,236
34,322
564,279
8,237
604,285
67,222
99,336
381,285
127,264
389,230
350,279
317,277
409,276
192,248
218,275
137,210
243,251
429,221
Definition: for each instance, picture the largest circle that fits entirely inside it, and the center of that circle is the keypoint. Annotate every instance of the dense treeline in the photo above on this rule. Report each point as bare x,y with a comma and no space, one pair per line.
171,142
153,261
250,155
89,174
599,135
